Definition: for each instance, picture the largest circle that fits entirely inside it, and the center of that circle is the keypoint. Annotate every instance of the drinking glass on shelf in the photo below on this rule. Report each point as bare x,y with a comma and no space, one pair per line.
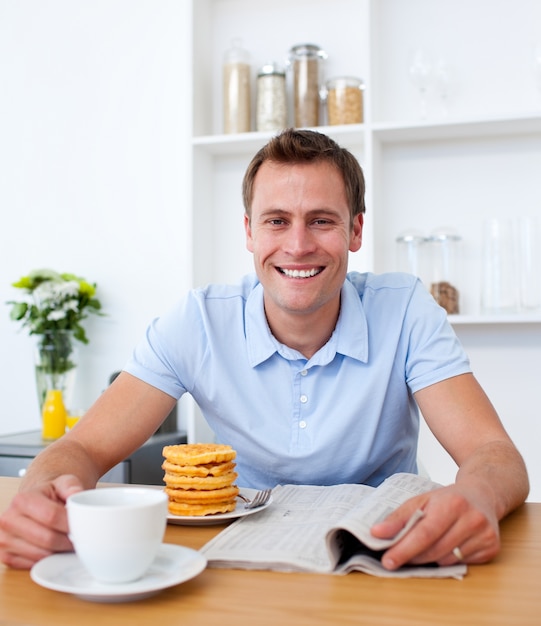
443,83
529,260
410,252
499,286
537,66
421,75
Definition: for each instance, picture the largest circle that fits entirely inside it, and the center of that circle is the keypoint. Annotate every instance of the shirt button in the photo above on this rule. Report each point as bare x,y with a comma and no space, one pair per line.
304,372
302,424
304,399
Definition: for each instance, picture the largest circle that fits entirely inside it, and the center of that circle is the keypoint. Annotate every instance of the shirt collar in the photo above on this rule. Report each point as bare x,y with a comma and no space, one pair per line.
350,336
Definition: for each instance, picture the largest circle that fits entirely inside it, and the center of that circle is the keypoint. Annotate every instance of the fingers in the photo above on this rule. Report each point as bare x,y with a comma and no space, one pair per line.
35,524
395,521
20,553
65,486
477,548
449,521
17,562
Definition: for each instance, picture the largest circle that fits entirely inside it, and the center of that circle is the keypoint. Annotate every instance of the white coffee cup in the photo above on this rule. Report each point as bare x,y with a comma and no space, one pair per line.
116,531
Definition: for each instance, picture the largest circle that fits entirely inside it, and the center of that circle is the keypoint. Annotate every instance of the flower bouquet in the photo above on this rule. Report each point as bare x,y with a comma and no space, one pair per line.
54,308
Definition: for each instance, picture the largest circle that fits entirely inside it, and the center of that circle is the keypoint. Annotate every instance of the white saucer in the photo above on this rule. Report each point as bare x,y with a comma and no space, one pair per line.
219,518
64,572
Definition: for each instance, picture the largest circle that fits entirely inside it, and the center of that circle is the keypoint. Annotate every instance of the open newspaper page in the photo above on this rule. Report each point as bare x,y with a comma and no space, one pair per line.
322,529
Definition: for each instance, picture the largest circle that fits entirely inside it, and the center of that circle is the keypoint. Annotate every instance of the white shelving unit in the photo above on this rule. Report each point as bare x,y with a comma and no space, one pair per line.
479,158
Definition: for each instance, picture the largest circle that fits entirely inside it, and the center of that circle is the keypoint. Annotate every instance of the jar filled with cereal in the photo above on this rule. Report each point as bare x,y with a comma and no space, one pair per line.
271,108
236,89
445,255
344,100
305,61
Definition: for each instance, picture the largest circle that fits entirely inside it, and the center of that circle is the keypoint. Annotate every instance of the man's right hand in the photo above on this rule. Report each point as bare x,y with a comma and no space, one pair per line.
35,524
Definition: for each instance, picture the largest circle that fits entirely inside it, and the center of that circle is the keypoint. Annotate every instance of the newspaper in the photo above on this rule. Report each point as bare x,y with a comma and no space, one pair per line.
319,529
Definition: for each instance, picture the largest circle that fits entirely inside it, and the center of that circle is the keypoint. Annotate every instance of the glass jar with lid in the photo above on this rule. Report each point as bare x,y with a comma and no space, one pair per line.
236,89
305,61
444,245
344,96
410,250
271,103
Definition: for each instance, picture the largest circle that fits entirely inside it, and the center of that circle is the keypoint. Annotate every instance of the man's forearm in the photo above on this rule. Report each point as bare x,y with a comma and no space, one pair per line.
497,472
62,457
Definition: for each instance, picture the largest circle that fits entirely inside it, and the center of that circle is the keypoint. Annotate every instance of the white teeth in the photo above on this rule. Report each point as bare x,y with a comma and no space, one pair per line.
300,273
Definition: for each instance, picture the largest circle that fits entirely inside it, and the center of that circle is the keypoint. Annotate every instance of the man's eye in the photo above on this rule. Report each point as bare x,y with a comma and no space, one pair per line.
276,222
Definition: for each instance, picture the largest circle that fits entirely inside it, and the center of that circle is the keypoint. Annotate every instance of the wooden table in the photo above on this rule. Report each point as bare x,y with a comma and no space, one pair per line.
506,591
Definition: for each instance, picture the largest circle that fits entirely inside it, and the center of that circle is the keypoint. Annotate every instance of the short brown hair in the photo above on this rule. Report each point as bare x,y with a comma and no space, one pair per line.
308,146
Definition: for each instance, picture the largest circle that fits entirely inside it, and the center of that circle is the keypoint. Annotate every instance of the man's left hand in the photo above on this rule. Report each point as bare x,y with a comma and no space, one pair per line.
453,529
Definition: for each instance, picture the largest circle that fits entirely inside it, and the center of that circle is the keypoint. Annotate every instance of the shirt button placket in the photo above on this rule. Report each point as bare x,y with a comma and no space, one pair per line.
304,400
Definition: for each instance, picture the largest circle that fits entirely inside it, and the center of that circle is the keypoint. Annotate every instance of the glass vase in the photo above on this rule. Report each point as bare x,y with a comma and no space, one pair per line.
55,365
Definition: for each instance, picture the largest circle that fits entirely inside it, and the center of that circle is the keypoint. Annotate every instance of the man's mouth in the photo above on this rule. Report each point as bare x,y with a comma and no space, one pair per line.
300,273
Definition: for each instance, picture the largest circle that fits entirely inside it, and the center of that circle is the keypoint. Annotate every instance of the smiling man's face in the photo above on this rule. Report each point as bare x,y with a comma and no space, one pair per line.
300,233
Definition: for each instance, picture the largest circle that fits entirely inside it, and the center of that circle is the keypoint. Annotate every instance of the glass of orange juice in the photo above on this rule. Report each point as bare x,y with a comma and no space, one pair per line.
74,415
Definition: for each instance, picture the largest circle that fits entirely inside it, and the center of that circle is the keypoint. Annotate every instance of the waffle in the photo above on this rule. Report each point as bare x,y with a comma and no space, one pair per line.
199,478
198,453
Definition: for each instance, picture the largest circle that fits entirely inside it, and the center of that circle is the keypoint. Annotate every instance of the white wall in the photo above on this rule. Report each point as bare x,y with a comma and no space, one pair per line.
94,163
95,106
505,360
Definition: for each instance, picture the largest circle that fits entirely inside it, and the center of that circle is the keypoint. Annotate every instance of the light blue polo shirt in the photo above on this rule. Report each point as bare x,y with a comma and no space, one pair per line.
347,415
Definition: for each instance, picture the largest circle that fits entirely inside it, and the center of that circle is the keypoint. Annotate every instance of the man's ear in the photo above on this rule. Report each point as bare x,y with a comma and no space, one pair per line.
356,237
248,231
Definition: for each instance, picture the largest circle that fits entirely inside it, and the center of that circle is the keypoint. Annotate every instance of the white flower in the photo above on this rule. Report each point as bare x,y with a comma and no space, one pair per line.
45,292
57,314
55,302
71,305
55,295
65,289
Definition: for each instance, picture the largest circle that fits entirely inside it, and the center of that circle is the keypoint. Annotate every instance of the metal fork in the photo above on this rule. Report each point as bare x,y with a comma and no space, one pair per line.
260,498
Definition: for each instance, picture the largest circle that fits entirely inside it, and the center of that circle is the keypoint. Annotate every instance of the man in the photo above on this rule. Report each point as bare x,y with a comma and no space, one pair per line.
312,375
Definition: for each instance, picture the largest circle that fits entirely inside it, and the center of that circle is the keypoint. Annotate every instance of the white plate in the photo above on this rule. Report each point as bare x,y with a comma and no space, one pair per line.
219,518
64,572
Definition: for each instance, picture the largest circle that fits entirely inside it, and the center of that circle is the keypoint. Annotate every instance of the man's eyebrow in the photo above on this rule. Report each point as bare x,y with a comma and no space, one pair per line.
276,211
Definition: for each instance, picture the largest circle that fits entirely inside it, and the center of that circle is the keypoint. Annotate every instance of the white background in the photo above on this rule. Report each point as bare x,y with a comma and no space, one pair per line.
95,167
93,164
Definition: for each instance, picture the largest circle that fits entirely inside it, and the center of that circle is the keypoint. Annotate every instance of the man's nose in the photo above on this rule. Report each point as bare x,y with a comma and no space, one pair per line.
300,240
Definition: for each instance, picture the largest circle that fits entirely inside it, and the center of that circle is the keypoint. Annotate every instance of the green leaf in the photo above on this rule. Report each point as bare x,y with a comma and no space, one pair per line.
79,334
18,311
55,310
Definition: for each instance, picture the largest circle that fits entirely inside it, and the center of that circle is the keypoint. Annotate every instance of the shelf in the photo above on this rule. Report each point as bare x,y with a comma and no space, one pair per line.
250,142
387,133
525,124
479,161
516,318
481,158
